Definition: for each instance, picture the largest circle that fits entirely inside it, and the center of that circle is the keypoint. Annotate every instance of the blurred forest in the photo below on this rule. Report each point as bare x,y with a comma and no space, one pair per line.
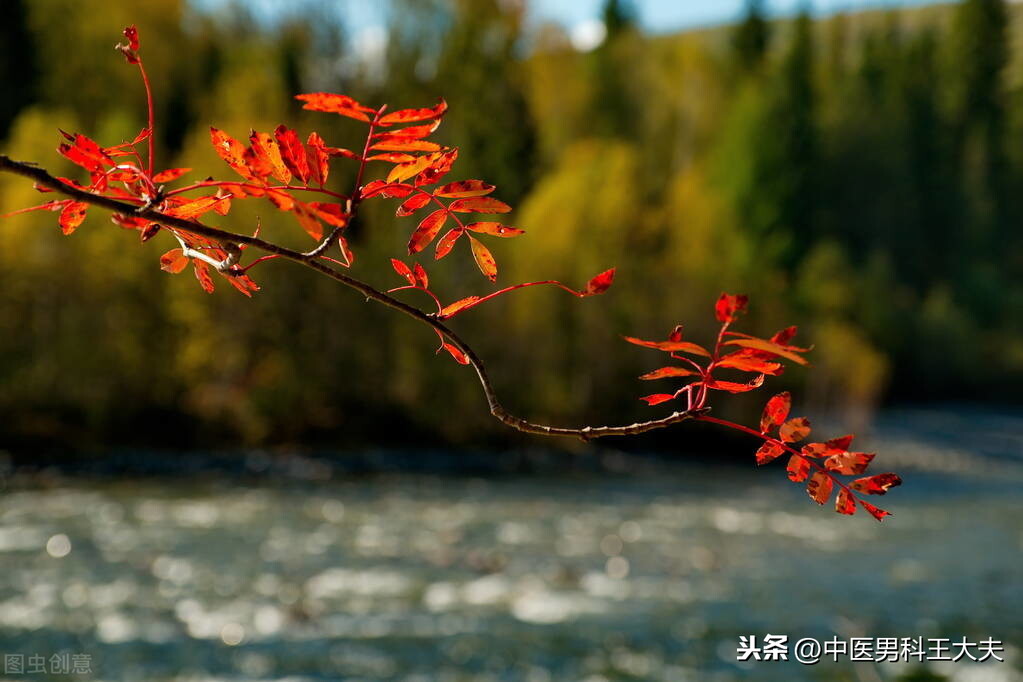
860,175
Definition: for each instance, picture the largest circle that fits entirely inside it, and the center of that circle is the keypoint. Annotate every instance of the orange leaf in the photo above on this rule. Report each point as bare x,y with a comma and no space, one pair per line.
453,308
740,361
729,306
332,214
334,104
409,115
494,229
404,171
293,153
845,503
484,259
195,207
849,463
72,216
768,452
386,190
657,398
671,346
820,486
795,430
173,261
768,347
393,157
665,372
479,205
267,149
202,273
798,468
447,242
410,133
231,151
413,204
306,217
169,174
406,145
464,188
775,412
427,230
876,485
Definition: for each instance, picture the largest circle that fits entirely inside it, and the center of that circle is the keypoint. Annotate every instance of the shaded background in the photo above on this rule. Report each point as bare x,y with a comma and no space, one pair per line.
858,173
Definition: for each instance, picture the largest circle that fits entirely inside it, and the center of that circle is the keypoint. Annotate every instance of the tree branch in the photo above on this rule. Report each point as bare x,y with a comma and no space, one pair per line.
311,259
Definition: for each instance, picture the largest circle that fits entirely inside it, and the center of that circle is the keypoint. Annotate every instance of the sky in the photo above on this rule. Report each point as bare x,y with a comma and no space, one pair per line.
581,17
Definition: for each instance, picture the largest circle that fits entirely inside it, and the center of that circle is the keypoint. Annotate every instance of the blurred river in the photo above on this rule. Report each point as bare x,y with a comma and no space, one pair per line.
623,576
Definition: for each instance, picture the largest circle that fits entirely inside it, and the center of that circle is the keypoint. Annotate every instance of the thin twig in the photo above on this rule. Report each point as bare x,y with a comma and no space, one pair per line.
232,241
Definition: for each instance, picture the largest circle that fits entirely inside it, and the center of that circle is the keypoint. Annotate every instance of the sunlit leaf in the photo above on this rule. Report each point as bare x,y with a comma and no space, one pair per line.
876,485
334,104
293,153
410,115
174,261
202,273
798,468
484,259
819,487
266,148
459,305
775,412
876,512
794,430
231,151
464,188
460,357
657,398
169,175
447,242
479,205
768,347
769,451
402,269
494,229
665,372
598,284
413,204
845,503
849,463
72,215
729,306
671,346
427,230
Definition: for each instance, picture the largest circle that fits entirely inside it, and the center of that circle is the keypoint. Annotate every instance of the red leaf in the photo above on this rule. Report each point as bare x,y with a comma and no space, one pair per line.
86,153
657,398
849,463
231,151
173,261
266,148
783,337
484,259
464,188
479,205
845,503
795,430
447,242
820,486
745,363
406,145
195,207
413,204
169,175
671,346
453,308
332,214
494,229
665,372
410,133
775,412
132,34
600,283
334,104
386,190
421,277
318,159
768,452
293,153
307,218
877,513
409,115
735,387
460,357
729,306
427,230
798,468
403,270
393,157
72,216
202,273
438,168
835,446
768,347
876,485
